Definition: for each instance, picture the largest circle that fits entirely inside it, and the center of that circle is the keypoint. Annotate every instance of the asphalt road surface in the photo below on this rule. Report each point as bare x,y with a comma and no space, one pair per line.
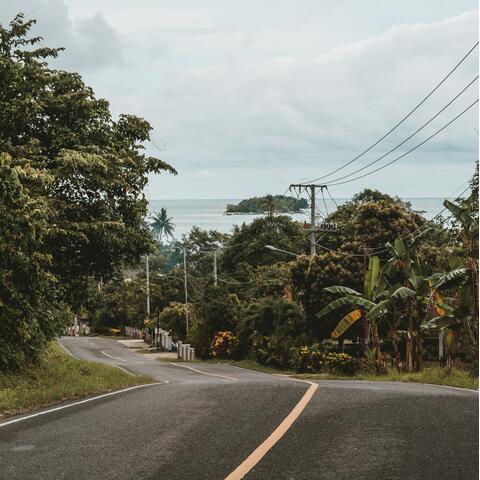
212,422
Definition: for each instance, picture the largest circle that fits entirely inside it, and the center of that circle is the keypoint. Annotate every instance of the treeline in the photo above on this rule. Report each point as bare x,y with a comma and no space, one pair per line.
377,295
71,198
269,204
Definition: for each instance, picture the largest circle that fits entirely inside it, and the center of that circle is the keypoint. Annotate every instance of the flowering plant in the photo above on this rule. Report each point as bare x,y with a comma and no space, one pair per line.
224,344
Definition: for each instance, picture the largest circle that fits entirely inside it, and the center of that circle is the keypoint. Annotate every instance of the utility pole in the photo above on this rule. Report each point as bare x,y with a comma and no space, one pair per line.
148,285
364,317
215,277
311,188
186,287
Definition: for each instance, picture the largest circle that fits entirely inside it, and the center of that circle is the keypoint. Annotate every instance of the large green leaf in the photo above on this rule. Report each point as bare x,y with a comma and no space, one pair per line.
346,322
379,309
342,290
450,279
403,293
460,213
371,276
340,302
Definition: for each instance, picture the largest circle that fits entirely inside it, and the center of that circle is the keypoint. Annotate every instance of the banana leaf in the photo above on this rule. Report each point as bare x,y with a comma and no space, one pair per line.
403,293
342,290
346,300
346,322
371,276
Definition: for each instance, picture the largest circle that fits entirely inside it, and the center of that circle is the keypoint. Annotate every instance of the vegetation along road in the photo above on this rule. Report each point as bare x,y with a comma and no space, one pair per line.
208,421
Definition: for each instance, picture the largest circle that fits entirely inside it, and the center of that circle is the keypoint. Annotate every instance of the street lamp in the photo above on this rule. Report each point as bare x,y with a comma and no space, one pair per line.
271,247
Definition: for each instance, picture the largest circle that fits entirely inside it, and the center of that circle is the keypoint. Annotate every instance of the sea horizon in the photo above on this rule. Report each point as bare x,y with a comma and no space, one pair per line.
209,213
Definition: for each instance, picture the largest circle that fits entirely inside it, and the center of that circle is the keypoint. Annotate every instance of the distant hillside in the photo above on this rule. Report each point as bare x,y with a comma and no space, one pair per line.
275,203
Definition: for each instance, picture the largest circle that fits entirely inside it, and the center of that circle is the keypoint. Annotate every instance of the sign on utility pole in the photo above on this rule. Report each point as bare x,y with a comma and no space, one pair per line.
311,188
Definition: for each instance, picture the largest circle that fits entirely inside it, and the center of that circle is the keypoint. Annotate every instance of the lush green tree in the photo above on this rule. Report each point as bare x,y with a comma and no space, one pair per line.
248,242
49,119
370,220
270,328
310,276
31,310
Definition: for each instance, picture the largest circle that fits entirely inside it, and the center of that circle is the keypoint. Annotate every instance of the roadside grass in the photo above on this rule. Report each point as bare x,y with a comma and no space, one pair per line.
57,378
432,374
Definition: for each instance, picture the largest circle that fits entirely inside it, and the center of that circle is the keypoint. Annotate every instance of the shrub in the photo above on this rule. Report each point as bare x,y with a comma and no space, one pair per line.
306,359
224,345
274,351
341,363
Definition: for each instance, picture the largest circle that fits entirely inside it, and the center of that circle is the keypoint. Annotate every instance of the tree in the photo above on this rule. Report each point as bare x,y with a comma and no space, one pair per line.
369,306
31,309
49,119
310,276
162,224
370,220
72,199
247,244
463,276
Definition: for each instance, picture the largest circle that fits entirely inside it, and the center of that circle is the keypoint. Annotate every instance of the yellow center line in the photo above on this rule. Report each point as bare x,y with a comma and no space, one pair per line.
276,435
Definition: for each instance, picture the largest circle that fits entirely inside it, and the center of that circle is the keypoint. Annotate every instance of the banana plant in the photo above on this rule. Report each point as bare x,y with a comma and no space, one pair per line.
466,216
368,305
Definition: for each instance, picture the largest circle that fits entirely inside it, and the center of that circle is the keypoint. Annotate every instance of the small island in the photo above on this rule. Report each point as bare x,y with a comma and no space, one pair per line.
269,204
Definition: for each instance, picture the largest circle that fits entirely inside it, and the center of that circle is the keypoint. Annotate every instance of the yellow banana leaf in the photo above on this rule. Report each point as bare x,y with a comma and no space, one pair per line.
439,300
346,322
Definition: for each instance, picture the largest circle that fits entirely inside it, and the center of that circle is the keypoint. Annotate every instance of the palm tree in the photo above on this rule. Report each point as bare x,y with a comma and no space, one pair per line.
162,224
269,205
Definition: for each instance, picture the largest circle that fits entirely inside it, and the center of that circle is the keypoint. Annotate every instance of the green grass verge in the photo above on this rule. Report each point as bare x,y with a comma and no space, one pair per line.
432,375
59,377
429,374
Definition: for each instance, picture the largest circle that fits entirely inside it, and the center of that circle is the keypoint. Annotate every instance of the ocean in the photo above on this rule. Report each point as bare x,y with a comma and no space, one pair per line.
209,214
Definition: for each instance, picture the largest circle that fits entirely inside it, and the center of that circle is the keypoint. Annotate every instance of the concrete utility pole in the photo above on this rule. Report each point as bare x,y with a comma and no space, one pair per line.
215,277
311,188
148,285
186,286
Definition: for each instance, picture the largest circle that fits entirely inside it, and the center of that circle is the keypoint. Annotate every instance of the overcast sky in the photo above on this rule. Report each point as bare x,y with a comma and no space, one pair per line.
247,97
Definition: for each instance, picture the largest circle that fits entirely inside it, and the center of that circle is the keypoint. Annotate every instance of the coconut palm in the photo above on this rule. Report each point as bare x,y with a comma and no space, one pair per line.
162,224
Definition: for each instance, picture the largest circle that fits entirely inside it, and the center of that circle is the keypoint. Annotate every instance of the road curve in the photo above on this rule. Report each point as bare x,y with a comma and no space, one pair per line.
197,426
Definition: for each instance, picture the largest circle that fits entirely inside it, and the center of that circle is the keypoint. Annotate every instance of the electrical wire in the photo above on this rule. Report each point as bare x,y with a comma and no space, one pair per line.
402,120
409,151
408,138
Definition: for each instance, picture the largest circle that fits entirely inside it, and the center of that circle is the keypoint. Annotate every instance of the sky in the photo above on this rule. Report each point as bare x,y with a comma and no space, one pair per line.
247,97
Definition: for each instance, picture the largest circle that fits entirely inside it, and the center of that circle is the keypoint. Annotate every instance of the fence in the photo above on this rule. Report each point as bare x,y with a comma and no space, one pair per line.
162,339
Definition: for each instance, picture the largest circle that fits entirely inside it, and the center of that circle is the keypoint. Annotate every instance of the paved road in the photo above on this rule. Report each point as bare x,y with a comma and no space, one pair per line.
197,426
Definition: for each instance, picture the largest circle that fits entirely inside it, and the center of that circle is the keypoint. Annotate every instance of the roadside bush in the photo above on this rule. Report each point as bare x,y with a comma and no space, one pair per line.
274,351
224,345
306,359
341,363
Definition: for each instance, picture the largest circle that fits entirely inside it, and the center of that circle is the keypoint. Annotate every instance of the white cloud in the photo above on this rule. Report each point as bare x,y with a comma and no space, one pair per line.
249,96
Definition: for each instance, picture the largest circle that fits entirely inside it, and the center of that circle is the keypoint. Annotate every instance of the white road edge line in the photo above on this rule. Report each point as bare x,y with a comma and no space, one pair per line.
91,399
111,356
205,373
275,436
126,371
66,349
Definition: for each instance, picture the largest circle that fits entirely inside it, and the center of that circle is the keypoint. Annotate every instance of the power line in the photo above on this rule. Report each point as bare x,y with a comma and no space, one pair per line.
409,151
409,137
403,119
